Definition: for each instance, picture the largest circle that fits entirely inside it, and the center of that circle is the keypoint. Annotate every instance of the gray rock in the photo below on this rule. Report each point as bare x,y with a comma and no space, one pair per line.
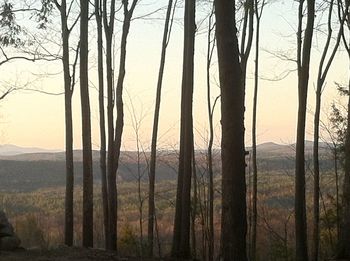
7,231
9,243
3,218
8,239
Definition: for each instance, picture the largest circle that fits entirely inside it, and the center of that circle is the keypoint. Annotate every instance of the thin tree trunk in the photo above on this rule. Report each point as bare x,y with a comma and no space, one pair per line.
152,170
69,217
254,157
111,190
103,167
344,243
181,241
337,191
194,205
210,50
234,216
86,128
119,124
344,236
304,52
322,74
316,210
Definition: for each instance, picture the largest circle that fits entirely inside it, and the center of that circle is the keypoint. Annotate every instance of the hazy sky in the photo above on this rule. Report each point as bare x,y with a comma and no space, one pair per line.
35,119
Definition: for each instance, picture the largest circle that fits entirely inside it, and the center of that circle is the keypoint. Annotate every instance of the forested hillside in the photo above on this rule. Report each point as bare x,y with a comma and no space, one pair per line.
149,129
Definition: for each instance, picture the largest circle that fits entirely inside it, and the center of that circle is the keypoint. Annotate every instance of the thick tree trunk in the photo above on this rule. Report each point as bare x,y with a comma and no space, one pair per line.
103,167
86,128
234,216
304,52
181,240
152,168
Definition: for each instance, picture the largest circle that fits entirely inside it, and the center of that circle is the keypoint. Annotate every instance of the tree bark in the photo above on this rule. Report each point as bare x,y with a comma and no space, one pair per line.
233,219
69,213
323,69
111,183
344,242
118,131
210,224
103,166
254,156
181,239
304,52
86,128
152,168
344,235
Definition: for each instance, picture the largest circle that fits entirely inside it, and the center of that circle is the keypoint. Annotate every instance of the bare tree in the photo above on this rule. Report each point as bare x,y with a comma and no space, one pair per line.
86,127
324,65
258,13
69,82
303,63
344,239
103,153
233,219
111,183
210,108
152,167
114,142
181,237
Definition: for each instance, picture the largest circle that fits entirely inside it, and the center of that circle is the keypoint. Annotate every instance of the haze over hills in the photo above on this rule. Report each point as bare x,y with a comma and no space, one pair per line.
11,150
29,169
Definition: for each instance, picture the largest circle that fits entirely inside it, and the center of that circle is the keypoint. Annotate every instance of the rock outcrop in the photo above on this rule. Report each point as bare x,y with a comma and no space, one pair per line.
8,239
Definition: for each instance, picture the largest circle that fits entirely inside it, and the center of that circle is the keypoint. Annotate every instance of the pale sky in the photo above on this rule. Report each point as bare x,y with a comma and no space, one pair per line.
37,120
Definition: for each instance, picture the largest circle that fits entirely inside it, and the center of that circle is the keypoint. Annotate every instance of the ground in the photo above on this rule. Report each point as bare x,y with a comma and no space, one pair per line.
64,254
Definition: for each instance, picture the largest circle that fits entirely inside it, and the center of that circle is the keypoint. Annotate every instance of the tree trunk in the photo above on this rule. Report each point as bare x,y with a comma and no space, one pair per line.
316,209
152,168
194,204
234,216
344,240
111,183
323,69
181,240
119,124
86,128
304,52
344,235
254,156
210,222
103,167
69,217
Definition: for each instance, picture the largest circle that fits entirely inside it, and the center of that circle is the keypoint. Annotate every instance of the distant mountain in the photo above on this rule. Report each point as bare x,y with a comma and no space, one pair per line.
11,150
28,169
271,149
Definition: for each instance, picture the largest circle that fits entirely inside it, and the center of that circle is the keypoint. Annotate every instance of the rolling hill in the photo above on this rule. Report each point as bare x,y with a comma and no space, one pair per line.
29,169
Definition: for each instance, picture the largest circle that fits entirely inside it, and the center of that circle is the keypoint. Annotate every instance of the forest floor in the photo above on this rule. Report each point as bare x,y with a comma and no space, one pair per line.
66,254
